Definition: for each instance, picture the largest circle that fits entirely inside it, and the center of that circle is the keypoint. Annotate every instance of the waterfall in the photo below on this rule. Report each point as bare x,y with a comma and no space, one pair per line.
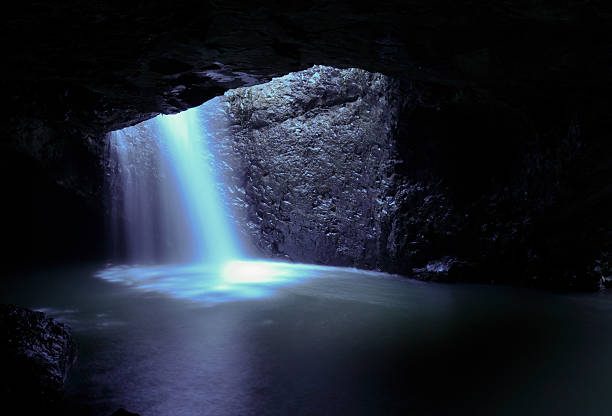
169,220
166,202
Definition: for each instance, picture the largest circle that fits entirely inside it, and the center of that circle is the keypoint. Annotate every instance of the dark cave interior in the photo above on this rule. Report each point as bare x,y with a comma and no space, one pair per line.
506,111
497,114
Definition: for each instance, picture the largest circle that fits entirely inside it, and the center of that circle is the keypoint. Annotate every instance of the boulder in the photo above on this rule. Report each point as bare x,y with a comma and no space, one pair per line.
36,354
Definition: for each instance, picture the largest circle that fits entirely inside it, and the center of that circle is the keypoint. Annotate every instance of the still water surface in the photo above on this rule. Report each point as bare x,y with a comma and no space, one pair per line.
330,342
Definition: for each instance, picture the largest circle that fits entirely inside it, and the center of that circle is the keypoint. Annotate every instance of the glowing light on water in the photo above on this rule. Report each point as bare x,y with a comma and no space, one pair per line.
210,284
250,272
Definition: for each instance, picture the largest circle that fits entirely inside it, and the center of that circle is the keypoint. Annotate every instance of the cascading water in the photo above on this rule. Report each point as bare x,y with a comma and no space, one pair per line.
184,143
170,218
166,203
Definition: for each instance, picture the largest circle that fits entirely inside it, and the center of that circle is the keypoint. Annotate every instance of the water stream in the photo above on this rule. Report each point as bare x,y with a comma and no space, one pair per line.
164,192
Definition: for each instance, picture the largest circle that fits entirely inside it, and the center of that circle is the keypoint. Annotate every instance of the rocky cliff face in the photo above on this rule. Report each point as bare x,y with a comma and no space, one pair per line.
317,164
319,174
352,168
323,169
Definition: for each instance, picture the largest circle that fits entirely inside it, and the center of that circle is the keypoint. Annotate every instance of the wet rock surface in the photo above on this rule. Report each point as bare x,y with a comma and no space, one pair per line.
36,352
352,168
316,164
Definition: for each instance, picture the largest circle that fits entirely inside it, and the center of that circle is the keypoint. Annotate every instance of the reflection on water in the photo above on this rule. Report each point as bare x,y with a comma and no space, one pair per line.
207,283
322,341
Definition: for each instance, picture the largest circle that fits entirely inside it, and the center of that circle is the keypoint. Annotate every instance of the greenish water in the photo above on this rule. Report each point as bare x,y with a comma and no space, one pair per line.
331,342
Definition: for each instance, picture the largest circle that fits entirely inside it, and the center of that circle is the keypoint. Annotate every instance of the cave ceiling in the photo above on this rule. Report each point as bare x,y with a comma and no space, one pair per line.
97,66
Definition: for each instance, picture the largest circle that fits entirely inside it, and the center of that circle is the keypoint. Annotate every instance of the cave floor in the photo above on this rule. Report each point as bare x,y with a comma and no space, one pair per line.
345,342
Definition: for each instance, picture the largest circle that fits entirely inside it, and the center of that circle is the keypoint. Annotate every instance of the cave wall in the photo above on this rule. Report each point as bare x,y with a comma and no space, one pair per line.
316,166
353,168
45,219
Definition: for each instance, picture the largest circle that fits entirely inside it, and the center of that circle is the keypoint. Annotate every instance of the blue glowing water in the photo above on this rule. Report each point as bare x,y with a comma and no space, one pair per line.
208,283
184,141
165,193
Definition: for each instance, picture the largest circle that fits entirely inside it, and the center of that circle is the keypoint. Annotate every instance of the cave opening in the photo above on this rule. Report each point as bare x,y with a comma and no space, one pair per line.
179,205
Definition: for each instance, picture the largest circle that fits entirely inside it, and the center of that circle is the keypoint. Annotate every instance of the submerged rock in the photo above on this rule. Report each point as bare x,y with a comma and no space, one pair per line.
36,354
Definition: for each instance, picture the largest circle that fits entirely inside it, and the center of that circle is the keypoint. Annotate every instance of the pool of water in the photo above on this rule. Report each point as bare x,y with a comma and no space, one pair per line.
322,341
